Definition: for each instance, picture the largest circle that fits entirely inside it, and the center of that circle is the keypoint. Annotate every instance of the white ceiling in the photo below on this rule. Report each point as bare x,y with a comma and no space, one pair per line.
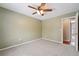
60,9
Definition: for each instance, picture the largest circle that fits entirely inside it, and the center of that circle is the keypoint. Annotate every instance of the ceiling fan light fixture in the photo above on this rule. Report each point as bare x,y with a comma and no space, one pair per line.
42,12
38,12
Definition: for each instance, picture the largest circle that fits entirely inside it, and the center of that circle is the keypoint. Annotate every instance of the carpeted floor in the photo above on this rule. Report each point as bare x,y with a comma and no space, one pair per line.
41,48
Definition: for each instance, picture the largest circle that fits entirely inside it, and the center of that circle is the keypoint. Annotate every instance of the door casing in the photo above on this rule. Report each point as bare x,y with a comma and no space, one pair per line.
76,42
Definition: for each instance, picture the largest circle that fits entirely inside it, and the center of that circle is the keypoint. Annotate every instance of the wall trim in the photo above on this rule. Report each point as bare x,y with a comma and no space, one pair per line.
19,44
52,40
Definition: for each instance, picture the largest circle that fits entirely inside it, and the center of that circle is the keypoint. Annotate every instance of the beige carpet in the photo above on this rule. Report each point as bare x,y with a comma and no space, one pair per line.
40,48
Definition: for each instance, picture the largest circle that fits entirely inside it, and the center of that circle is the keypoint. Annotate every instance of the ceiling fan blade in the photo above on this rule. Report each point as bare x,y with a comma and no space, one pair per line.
43,4
32,7
34,13
48,10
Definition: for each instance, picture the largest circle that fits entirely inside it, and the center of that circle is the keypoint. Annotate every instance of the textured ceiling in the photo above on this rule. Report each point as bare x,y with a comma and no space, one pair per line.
60,9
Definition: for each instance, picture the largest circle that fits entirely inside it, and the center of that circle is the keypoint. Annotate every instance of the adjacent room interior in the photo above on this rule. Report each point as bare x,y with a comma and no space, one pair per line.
39,29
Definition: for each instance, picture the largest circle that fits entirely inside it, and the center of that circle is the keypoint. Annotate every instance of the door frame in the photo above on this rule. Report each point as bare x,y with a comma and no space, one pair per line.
62,20
62,27
76,42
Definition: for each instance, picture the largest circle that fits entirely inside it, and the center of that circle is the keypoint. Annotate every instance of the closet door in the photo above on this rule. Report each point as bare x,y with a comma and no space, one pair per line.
73,32
76,33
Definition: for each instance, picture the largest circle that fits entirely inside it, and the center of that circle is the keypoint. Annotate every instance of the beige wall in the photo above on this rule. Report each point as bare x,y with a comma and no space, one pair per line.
17,28
51,28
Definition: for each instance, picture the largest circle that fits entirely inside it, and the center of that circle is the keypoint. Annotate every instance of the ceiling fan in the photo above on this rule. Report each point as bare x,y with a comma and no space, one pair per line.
41,9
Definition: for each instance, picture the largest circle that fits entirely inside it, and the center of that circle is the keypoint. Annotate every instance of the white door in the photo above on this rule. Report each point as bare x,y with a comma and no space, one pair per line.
76,33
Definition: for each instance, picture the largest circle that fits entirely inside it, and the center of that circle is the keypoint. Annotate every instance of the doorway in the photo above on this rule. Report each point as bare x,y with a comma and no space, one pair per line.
66,31
70,31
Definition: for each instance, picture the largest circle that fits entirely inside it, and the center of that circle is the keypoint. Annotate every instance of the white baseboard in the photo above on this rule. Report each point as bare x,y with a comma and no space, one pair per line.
28,42
19,44
52,40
